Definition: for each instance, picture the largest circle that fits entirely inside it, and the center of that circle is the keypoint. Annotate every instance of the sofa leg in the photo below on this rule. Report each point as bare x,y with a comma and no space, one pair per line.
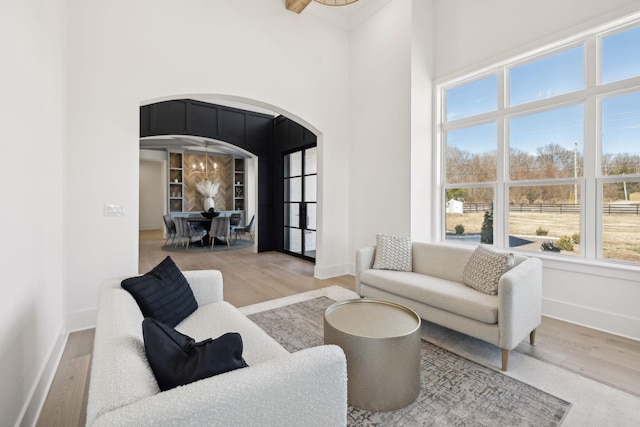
505,359
532,337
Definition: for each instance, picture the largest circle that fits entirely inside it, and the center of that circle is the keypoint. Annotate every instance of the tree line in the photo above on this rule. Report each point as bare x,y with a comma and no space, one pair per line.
548,162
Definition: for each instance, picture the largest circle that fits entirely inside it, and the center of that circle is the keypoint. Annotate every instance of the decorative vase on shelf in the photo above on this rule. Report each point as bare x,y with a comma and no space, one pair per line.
208,203
208,189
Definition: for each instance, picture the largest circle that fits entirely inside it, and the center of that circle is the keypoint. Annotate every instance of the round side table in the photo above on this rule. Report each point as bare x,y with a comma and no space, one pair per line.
381,341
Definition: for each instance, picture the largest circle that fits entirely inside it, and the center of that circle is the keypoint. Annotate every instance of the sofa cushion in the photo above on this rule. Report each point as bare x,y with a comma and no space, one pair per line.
215,319
441,293
440,260
177,359
484,269
163,293
392,253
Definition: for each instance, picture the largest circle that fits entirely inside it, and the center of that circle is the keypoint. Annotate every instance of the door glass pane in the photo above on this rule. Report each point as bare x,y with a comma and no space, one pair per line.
311,161
293,164
621,56
293,240
471,154
477,97
550,76
311,216
545,218
293,189
547,145
310,188
469,215
292,214
621,134
310,243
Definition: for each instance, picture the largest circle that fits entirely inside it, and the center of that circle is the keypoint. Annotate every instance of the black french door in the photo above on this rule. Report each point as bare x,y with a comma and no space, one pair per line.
300,202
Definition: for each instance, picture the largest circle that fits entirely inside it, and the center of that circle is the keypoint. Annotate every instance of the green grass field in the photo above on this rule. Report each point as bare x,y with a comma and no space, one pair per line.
621,239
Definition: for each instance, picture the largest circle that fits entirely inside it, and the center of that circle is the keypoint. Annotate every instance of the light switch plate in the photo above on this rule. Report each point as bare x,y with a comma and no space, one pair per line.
111,209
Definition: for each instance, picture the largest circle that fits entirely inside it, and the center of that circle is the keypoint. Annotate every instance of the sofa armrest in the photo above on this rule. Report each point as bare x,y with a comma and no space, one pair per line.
519,302
206,285
364,261
306,388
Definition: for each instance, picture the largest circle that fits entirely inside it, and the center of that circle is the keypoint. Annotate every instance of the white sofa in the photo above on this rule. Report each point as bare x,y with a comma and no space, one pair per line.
278,388
434,289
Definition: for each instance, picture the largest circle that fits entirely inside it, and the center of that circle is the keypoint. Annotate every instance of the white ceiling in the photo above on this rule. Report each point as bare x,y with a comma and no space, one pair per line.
347,17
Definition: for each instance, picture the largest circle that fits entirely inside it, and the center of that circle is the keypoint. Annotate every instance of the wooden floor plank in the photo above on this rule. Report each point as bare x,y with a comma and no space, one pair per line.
64,404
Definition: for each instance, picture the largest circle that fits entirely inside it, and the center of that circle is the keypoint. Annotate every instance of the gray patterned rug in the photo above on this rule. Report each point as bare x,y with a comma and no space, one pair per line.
454,391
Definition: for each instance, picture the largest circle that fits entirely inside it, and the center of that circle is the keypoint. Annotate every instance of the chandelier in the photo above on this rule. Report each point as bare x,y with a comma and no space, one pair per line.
335,2
203,168
298,6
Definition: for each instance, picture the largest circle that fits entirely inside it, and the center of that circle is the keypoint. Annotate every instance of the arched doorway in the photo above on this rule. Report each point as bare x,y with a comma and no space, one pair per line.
249,131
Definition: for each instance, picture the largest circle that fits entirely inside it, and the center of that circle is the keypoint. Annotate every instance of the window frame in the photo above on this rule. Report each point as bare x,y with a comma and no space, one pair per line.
592,179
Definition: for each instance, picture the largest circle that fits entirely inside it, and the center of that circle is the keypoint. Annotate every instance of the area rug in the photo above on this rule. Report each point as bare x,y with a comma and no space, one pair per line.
218,247
455,391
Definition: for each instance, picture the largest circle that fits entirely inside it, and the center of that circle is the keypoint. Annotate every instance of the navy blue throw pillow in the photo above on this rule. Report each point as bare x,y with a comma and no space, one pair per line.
163,293
176,359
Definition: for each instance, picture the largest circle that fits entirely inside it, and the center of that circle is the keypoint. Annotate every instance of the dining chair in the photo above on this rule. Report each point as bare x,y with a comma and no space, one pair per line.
188,233
248,229
179,233
219,228
171,228
194,225
234,219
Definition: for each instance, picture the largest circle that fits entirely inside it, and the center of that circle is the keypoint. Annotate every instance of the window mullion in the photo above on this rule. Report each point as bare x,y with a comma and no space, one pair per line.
591,160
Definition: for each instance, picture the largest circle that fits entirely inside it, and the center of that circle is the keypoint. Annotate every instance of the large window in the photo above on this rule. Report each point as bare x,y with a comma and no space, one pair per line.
543,153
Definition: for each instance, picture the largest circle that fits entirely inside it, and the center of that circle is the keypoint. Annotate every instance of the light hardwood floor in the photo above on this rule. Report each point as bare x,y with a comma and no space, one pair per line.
251,278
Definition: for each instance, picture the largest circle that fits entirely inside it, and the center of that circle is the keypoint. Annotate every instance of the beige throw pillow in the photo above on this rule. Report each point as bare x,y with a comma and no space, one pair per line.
484,269
392,253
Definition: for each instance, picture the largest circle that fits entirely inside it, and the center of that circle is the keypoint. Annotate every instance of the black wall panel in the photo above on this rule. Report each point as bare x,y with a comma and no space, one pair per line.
169,117
145,121
204,119
233,127
259,130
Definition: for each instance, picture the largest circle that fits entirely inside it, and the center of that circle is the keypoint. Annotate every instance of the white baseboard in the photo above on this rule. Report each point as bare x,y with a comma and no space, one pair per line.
38,394
611,323
80,320
326,272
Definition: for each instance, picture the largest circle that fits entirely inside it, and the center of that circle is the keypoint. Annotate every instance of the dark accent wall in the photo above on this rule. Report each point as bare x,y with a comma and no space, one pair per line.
268,138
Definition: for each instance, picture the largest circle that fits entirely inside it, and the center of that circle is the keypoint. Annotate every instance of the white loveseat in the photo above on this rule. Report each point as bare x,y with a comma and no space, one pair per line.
434,289
278,388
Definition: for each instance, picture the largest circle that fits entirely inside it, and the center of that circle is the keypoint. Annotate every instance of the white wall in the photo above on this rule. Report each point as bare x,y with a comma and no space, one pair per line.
390,89
470,35
253,49
31,187
380,105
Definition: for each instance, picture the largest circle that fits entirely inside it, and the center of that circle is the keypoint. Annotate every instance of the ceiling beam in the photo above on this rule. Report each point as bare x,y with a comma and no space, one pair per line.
297,6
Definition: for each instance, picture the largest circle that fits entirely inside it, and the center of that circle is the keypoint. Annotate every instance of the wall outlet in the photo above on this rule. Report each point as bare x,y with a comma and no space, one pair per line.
113,210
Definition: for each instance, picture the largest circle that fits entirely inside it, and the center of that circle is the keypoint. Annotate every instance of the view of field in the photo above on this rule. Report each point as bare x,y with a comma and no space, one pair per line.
621,236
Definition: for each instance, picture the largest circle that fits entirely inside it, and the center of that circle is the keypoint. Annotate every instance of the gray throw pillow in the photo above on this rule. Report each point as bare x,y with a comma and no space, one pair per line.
484,269
393,253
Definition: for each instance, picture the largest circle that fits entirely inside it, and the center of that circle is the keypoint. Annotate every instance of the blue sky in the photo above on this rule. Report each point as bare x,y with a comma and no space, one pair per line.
551,76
